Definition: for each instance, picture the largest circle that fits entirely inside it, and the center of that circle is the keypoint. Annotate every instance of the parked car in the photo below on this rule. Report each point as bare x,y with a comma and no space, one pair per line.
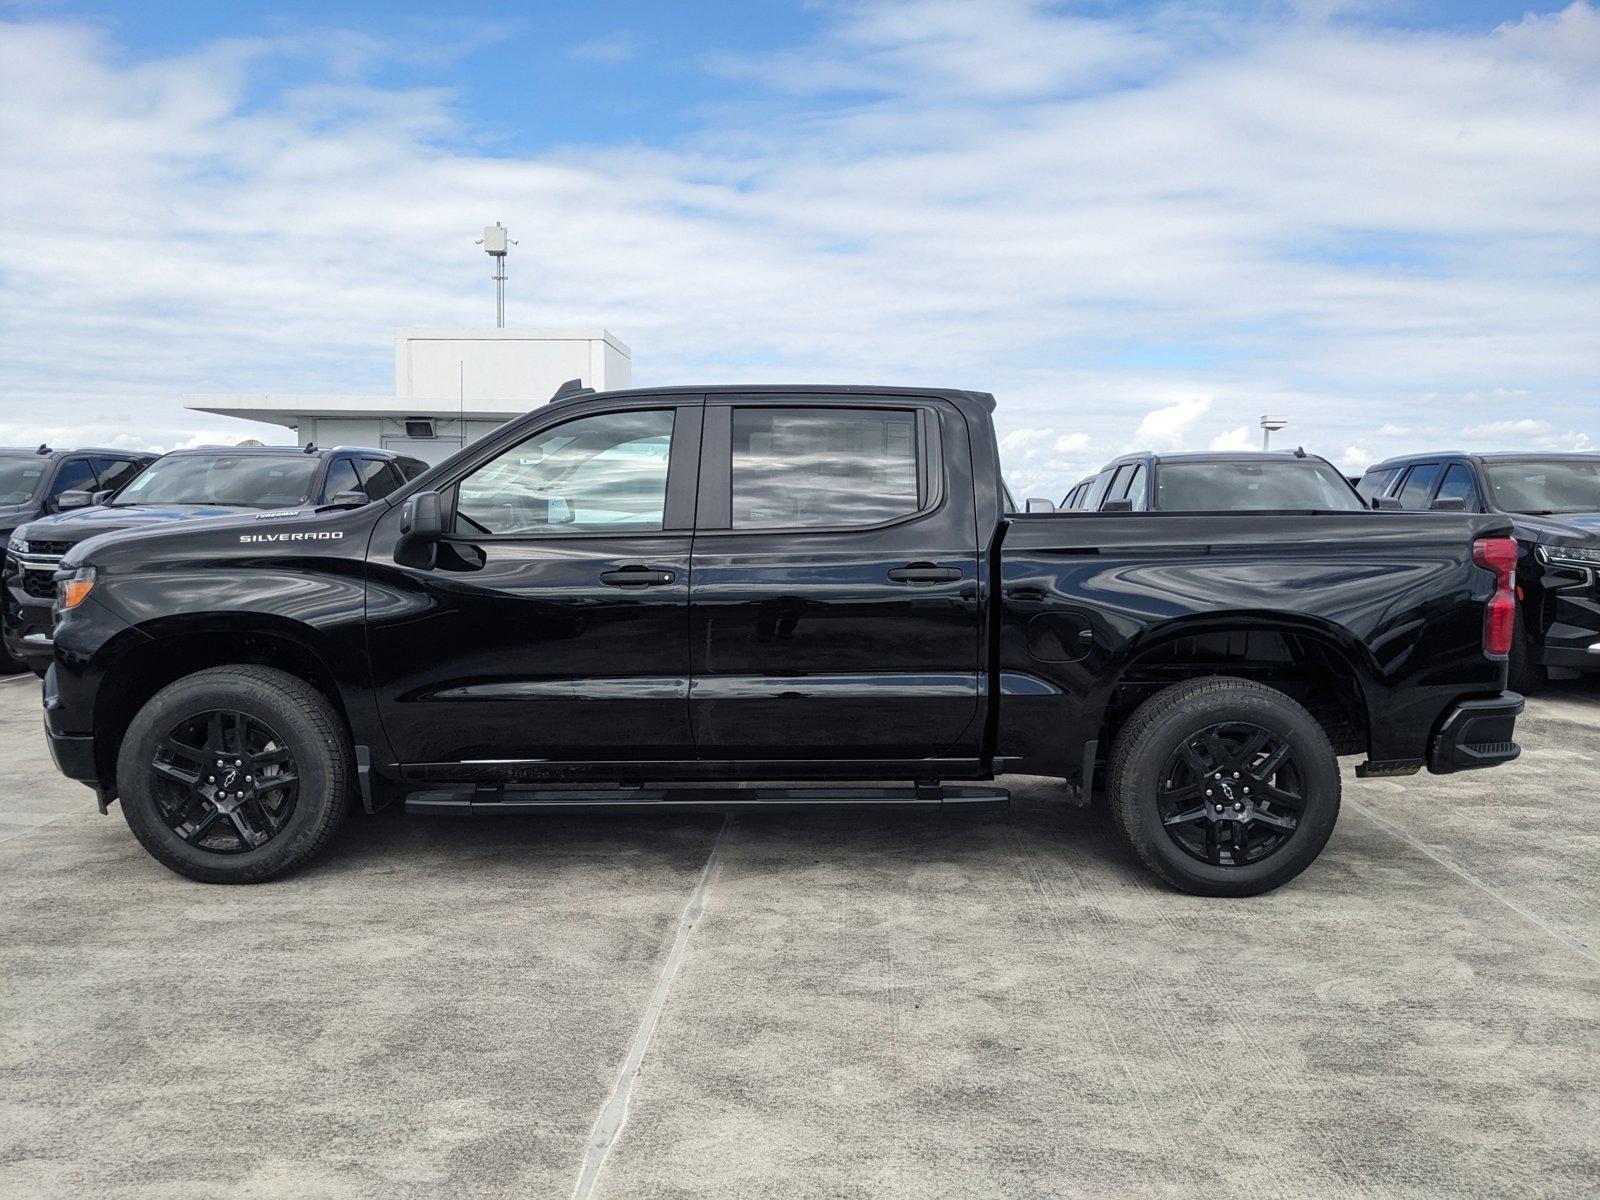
1219,481
639,598
1553,501
184,486
34,483
1075,499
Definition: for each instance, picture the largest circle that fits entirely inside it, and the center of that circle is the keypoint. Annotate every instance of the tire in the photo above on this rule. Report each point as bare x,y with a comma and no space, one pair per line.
1523,674
9,665
170,778
1259,828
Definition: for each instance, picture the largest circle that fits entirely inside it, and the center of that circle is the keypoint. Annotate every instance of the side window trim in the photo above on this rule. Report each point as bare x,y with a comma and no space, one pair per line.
714,504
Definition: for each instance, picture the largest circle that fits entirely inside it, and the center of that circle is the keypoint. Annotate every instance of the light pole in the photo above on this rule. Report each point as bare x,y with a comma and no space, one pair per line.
1268,424
495,243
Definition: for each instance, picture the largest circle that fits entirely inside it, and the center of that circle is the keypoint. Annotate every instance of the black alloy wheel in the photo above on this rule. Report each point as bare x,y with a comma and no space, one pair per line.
236,774
225,782
1232,794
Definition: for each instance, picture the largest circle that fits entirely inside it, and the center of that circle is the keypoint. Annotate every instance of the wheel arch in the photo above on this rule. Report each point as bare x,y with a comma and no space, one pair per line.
169,655
1317,662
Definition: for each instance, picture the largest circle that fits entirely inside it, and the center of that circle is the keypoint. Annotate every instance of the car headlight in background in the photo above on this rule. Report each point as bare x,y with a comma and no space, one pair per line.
73,589
1569,556
17,546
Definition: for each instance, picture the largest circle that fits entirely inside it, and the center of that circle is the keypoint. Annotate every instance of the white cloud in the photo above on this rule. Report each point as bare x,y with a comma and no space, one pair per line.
1520,427
1234,439
1165,428
1071,443
1005,197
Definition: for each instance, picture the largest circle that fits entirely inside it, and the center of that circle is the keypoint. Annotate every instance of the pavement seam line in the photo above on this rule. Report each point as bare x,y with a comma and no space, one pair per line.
1566,939
614,1115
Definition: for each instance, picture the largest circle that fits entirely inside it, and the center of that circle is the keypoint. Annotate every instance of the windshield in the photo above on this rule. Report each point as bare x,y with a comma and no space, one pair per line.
19,478
1232,486
230,480
1552,486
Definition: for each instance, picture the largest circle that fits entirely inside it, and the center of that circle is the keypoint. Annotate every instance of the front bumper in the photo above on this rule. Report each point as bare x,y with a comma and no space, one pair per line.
74,755
1476,734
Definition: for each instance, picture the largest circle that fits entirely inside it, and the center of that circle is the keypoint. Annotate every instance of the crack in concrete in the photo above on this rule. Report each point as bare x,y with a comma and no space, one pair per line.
614,1115
1565,939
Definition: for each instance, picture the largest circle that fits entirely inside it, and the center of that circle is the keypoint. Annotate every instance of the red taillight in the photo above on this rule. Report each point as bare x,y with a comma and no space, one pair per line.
1500,556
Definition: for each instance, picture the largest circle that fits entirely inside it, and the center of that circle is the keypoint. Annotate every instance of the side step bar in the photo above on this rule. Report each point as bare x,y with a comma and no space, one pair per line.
495,800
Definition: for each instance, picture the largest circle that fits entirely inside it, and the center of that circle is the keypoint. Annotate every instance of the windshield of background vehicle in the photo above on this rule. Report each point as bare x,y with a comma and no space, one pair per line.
1553,486
233,481
1231,486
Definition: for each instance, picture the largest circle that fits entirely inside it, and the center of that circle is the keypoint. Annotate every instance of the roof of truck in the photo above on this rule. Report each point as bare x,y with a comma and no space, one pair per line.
567,394
1401,460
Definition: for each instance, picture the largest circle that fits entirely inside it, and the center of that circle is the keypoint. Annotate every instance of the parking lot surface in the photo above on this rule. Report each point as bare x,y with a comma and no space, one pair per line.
839,1004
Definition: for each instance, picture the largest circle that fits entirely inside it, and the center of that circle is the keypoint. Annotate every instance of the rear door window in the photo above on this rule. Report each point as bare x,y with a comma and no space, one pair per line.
1419,482
797,468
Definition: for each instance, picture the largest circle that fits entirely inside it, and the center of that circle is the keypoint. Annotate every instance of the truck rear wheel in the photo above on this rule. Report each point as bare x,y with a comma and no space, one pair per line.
235,774
1224,787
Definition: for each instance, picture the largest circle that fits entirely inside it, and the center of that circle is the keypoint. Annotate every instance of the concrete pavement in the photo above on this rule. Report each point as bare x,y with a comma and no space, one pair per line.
868,1005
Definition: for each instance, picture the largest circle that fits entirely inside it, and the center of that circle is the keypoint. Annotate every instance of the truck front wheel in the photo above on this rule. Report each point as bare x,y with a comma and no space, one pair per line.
1224,787
235,774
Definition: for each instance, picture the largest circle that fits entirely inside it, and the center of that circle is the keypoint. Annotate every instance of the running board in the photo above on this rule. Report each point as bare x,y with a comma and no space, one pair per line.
493,800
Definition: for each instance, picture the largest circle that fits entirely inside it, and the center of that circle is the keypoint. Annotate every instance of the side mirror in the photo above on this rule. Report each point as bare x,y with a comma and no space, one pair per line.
1123,505
421,527
1448,504
422,518
102,496
1386,503
351,499
73,500
1036,505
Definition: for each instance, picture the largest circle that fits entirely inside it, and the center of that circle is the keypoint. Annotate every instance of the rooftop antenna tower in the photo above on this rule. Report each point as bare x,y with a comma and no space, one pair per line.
1269,423
495,243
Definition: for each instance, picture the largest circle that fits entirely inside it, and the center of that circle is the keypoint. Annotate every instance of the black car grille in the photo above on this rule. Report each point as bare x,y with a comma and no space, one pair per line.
52,549
39,584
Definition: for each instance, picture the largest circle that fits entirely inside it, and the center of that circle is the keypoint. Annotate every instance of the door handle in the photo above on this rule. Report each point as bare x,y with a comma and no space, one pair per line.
637,577
924,573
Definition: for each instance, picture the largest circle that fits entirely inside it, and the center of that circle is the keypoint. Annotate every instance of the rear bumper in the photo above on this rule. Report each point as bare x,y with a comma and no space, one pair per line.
1476,734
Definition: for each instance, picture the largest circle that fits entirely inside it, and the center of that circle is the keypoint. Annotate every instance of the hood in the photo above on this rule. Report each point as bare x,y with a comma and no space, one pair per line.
1559,529
79,524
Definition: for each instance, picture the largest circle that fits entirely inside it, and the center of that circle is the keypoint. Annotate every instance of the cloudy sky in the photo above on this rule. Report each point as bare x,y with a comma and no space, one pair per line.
1138,224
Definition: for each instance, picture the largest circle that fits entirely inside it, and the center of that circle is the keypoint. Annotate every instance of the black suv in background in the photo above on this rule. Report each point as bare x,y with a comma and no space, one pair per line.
32,483
1216,481
183,486
1554,503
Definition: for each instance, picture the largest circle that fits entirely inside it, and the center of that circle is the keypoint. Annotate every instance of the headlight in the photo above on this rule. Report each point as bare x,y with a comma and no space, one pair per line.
72,590
1569,556
17,546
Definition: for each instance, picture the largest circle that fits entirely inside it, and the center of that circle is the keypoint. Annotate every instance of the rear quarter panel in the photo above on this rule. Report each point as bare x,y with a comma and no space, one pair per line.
1396,594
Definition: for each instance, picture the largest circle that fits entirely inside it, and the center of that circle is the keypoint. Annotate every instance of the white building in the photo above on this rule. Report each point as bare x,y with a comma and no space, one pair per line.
451,386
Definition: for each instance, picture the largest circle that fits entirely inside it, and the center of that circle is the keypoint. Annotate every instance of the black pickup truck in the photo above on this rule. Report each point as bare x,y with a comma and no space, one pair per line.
643,598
